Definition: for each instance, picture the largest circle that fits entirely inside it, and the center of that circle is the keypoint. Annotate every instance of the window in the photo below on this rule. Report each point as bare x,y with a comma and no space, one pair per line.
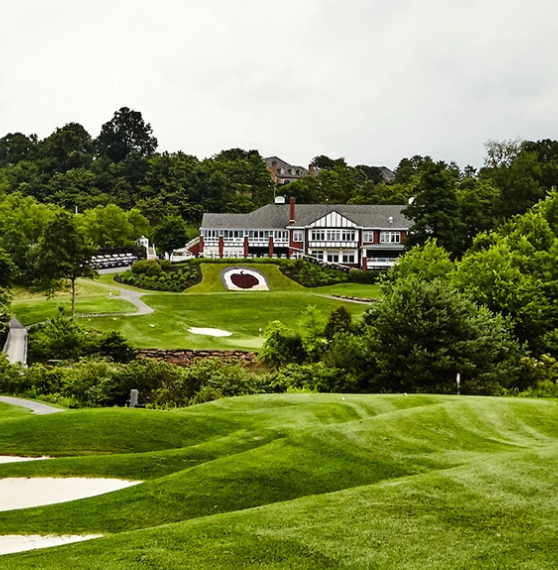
368,237
297,235
333,257
333,235
390,237
318,235
348,235
348,257
319,254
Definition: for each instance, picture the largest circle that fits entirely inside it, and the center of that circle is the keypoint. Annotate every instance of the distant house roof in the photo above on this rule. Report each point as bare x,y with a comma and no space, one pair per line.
276,216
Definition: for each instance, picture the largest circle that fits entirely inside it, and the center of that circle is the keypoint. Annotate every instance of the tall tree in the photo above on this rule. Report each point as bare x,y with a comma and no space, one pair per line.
126,133
171,234
515,172
435,210
63,254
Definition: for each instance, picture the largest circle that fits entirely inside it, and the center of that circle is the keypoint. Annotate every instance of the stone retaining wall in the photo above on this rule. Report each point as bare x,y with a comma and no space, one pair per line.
183,357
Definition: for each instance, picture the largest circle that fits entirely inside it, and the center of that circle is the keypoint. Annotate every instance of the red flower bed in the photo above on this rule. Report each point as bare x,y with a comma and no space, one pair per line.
244,280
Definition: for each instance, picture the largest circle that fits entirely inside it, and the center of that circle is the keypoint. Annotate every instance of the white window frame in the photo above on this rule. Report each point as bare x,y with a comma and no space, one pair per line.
298,236
390,237
368,236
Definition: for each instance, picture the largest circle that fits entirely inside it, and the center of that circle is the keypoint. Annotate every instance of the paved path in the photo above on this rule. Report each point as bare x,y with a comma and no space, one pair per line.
16,344
110,270
133,297
36,407
345,300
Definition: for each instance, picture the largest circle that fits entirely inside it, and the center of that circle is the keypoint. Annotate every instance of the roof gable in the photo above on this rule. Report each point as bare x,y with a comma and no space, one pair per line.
333,220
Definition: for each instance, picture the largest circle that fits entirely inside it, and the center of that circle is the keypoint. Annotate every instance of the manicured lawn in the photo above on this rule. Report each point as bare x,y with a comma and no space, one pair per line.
208,304
211,282
303,481
351,290
39,310
241,313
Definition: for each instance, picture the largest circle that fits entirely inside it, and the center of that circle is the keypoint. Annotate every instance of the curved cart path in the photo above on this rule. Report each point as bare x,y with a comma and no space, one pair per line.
133,297
16,344
35,407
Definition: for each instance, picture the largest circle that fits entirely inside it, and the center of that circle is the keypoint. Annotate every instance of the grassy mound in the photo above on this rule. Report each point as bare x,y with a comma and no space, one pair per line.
301,481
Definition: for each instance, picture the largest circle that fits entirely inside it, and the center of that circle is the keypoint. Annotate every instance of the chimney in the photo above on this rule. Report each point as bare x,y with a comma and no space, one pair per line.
292,218
311,169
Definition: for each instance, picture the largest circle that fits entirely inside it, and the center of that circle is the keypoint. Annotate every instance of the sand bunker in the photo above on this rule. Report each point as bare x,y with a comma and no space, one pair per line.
209,332
35,492
14,459
16,543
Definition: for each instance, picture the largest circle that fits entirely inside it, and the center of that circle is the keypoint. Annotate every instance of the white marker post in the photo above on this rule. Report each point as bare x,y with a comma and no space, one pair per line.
458,381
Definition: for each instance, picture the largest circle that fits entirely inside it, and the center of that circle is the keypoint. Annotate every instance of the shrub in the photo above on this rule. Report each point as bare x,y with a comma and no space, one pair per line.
161,276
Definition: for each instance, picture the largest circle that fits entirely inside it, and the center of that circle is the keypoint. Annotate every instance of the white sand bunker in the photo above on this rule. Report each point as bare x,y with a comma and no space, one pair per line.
14,459
208,332
17,493
17,543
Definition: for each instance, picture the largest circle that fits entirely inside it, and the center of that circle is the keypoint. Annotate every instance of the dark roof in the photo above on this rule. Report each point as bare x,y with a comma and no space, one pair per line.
276,216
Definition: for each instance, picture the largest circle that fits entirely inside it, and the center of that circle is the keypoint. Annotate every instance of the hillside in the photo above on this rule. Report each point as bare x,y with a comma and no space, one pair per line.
299,481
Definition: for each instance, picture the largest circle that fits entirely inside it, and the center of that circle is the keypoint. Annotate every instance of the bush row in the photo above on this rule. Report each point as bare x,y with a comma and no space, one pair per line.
161,276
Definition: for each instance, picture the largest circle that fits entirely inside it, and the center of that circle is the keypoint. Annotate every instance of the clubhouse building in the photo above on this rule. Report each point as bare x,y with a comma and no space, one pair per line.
363,236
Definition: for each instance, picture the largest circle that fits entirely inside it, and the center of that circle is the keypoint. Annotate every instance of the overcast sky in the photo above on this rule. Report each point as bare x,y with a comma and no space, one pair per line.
370,80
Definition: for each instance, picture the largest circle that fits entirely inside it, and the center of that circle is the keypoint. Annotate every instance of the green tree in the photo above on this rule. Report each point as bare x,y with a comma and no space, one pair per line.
170,234
126,133
427,262
435,210
421,334
339,321
282,346
7,269
515,172
63,254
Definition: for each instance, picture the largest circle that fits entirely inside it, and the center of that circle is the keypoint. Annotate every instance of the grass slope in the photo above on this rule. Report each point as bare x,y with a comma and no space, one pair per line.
241,313
32,307
301,481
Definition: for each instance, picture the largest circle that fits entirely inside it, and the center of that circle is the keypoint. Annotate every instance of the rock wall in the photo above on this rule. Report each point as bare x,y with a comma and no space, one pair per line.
183,357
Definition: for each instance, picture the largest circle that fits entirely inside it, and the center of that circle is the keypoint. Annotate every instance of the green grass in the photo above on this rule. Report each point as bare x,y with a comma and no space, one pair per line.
211,281
351,290
241,313
37,311
209,304
306,481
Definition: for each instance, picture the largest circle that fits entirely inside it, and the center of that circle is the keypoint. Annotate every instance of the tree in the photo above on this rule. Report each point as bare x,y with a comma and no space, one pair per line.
170,234
126,133
435,210
339,321
15,147
7,269
421,334
515,172
427,262
68,147
63,253
282,346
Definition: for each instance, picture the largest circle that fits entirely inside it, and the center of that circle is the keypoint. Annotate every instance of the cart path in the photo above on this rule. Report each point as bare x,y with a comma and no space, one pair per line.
133,297
16,343
35,407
